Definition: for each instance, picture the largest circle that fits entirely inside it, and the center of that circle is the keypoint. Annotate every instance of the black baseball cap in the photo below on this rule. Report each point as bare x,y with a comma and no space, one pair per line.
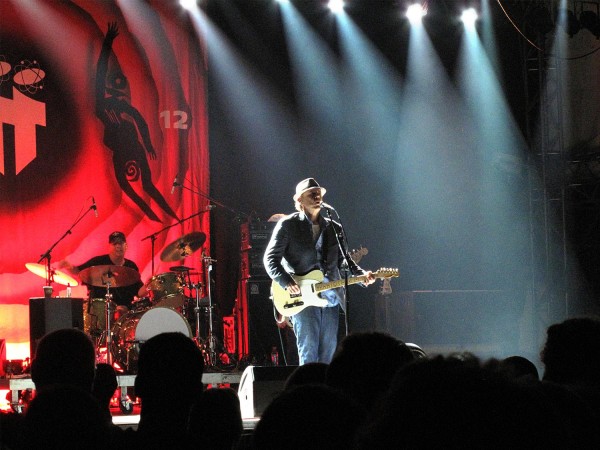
116,237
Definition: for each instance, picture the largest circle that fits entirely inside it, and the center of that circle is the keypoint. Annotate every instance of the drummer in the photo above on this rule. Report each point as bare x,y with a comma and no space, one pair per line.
122,296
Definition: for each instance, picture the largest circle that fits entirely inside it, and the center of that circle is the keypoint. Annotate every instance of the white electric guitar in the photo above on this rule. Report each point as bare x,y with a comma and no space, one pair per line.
311,285
356,256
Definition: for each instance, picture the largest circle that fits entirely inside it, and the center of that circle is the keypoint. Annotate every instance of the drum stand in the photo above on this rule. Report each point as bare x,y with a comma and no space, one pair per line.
109,312
208,348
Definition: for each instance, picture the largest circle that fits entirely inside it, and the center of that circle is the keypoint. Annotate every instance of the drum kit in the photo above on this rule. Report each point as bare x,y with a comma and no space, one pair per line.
174,303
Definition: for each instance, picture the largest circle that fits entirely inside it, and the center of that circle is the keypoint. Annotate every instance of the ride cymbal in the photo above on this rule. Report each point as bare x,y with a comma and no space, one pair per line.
183,247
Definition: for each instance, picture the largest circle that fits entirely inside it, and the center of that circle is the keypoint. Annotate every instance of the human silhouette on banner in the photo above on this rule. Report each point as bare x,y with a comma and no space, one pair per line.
124,126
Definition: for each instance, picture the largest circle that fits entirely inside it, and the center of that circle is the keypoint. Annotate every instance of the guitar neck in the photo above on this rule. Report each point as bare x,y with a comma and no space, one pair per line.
320,287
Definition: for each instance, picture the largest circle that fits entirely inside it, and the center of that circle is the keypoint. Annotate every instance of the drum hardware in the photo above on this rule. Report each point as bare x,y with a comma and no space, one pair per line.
209,349
181,269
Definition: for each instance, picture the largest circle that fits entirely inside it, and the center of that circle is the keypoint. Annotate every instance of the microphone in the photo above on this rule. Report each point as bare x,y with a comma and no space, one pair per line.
327,205
175,184
94,207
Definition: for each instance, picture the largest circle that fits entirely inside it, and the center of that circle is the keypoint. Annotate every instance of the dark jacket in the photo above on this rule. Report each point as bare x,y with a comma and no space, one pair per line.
293,250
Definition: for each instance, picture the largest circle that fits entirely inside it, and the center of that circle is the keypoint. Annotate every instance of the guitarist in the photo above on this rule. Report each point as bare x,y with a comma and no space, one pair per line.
302,242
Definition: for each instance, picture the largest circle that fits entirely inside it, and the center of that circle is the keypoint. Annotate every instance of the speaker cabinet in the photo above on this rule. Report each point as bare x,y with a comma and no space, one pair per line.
258,332
259,386
50,314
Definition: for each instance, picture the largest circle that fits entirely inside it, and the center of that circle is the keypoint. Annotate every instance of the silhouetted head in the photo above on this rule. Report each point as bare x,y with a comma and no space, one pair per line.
308,416
216,420
64,356
571,354
365,364
309,373
170,367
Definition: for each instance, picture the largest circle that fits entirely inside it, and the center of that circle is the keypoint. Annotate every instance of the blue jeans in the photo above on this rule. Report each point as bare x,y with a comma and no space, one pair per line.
316,333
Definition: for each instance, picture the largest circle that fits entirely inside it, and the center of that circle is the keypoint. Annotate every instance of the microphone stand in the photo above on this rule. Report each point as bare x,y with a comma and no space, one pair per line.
48,254
345,267
212,200
207,261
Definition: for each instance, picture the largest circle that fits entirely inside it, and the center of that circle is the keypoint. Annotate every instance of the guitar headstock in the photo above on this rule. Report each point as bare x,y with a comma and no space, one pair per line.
357,254
386,273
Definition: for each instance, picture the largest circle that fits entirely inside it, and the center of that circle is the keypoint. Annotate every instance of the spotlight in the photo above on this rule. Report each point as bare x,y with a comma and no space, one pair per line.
589,20
336,6
415,13
187,4
469,16
569,22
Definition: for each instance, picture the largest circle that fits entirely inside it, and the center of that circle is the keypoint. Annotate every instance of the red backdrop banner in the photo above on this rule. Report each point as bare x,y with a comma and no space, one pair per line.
92,112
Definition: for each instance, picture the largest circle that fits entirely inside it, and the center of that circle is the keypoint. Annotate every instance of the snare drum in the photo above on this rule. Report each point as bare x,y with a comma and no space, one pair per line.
136,327
94,316
166,289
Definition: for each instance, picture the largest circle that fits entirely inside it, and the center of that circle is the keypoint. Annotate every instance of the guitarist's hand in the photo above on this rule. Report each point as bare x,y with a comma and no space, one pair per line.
293,288
370,278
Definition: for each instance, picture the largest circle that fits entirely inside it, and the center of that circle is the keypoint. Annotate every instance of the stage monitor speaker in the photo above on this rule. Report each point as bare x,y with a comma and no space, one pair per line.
259,386
50,314
262,329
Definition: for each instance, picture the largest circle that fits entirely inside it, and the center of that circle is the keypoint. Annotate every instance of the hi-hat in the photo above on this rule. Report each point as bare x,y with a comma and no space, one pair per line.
56,275
117,276
183,247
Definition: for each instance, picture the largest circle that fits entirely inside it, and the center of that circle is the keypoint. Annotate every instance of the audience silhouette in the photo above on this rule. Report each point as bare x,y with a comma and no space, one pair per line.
63,416
215,421
65,356
377,392
365,364
309,373
455,402
168,382
308,416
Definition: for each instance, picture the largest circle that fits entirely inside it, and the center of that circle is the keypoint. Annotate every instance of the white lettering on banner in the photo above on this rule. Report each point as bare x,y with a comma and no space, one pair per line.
24,113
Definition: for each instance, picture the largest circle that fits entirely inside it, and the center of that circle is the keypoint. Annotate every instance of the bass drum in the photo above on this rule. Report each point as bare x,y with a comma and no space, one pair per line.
136,327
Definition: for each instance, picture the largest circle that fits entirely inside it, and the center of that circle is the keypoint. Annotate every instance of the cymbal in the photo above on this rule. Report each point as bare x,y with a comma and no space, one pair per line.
58,276
181,268
183,247
118,276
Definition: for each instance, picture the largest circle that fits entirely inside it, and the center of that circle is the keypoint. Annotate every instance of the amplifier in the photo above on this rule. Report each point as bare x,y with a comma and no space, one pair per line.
251,264
256,235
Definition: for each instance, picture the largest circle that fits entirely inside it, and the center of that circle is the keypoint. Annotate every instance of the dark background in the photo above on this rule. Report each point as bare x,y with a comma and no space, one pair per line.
466,273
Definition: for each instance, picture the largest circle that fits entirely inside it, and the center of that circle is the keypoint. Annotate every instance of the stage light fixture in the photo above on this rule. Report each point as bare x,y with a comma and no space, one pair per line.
589,20
469,16
415,13
336,6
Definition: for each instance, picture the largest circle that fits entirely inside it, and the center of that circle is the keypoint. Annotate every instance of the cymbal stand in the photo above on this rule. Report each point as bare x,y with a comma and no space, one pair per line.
212,352
197,288
109,311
